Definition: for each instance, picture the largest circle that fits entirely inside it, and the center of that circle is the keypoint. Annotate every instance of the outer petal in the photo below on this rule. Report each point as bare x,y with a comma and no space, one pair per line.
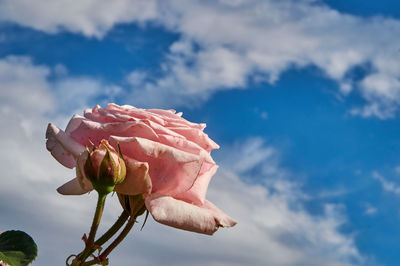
137,180
93,114
181,215
95,131
63,148
185,145
134,112
80,173
222,218
72,187
172,171
74,123
175,119
197,136
197,193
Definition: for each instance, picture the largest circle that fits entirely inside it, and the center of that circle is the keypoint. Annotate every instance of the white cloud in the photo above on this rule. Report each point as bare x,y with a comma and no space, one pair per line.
89,17
274,227
370,210
15,74
251,153
224,44
386,184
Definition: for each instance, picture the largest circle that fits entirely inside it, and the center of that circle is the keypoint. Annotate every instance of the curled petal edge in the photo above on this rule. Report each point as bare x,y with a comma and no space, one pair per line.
73,187
182,215
63,148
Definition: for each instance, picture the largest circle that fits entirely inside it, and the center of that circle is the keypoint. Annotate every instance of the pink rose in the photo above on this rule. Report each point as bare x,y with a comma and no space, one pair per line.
167,160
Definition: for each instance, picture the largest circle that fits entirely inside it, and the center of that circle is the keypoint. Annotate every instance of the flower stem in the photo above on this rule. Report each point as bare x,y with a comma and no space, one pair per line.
95,224
119,239
113,229
110,232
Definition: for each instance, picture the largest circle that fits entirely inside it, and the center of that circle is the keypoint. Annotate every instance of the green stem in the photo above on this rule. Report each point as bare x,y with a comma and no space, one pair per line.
110,232
119,239
95,224
113,229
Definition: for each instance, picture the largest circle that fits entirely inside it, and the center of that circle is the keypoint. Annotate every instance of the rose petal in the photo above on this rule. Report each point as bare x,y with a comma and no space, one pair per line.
160,129
175,119
183,123
80,174
93,114
94,131
74,123
179,214
197,193
63,148
135,112
185,145
197,136
172,171
222,218
72,187
137,180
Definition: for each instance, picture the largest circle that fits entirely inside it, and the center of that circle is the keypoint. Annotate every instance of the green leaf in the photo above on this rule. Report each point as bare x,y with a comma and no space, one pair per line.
17,248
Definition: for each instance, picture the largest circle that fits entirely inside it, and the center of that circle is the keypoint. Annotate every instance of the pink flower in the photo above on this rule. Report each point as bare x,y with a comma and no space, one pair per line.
167,160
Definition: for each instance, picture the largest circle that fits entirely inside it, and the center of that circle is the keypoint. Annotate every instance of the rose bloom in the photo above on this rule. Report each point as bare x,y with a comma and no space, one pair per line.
167,160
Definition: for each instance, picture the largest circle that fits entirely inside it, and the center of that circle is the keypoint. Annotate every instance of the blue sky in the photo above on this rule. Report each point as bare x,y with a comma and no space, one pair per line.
302,96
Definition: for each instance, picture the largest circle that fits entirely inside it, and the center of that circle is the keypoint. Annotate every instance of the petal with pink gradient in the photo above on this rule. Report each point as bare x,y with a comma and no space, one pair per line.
95,132
80,173
179,214
222,218
197,193
63,148
196,135
185,145
172,171
137,180
72,187
74,123
173,119
134,112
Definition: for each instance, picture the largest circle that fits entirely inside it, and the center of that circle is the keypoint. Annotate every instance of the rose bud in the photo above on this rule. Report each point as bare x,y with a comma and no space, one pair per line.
103,166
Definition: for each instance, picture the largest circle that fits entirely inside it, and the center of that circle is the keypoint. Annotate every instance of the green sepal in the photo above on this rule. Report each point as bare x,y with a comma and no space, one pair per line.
17,248
88,168
122,173
119,151
145,219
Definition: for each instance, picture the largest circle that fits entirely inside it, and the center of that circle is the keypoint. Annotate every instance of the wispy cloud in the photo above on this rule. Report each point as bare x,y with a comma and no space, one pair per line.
91,18
370,210
226,44
386,184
